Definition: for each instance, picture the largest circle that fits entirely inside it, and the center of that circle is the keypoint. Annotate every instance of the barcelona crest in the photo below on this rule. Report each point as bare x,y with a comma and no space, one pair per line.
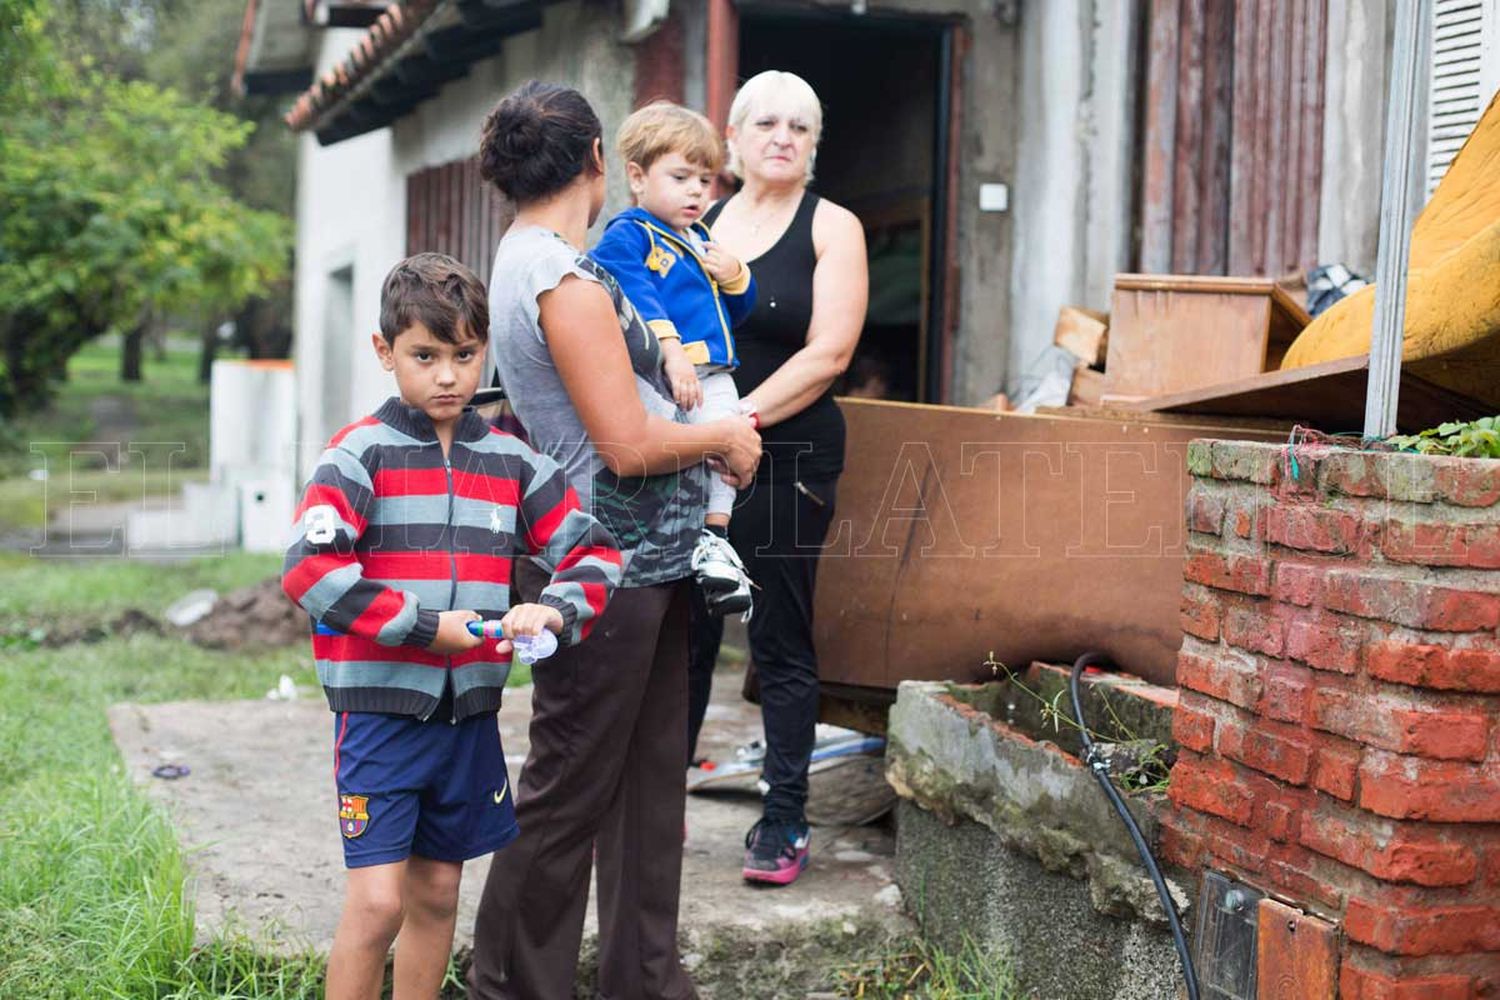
354,814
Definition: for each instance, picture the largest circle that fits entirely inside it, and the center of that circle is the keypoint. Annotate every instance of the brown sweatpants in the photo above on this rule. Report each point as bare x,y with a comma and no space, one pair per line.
607,766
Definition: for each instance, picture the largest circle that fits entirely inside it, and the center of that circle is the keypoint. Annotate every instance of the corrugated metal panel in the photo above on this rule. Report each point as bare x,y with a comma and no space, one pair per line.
1234,136
1459,84
450,209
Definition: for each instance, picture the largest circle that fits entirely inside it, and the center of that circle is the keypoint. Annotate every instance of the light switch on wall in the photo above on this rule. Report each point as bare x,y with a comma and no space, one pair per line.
994,197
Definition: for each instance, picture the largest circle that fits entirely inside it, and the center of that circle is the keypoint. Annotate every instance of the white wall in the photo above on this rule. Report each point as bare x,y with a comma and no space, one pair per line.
1072,195
351,209
576,45
351,196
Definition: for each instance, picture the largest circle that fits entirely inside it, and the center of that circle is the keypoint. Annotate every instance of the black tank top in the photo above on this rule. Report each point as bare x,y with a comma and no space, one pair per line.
808,445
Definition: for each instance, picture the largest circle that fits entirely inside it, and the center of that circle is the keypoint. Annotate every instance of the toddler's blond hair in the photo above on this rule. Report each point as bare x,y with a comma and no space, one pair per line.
662,127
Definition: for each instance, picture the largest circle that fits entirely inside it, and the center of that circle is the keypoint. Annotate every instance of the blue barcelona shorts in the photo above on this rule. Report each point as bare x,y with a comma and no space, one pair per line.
438,790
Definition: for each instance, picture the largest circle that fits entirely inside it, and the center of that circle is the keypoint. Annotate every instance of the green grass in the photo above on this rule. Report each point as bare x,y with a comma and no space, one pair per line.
43,589
28,504
91,875
167,405
919,970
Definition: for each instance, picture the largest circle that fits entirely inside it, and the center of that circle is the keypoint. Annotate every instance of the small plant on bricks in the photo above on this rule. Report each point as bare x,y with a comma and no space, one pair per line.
1475,439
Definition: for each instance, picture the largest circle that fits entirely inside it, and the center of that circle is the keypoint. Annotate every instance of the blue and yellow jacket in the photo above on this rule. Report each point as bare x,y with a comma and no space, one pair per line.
665,280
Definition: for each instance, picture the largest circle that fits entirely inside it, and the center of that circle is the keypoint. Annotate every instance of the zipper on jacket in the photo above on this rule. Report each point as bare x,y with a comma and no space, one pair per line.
452,591
719,308
453,576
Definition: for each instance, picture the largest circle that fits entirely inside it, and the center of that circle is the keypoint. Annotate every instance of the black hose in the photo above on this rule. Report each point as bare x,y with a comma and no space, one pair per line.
1099,768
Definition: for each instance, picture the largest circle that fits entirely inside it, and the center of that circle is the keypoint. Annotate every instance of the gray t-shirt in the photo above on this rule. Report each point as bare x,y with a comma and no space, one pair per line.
655,520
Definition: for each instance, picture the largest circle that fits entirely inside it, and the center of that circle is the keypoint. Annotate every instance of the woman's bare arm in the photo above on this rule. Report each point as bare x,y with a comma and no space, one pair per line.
582,332
841,287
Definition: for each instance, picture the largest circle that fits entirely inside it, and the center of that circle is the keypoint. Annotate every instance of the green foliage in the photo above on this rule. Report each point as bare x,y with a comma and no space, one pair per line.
1476,439
92,900
111,213
1149,762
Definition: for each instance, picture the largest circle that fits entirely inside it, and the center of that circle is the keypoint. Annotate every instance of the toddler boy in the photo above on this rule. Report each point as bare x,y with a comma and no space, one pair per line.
690,292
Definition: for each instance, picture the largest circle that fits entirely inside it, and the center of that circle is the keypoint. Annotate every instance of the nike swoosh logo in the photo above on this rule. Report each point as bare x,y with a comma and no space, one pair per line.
500,795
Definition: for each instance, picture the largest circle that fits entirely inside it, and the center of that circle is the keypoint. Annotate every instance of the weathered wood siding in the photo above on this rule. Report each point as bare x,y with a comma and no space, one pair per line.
1232,144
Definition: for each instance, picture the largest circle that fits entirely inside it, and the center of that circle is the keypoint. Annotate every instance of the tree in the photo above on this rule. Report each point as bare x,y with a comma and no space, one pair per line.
111,213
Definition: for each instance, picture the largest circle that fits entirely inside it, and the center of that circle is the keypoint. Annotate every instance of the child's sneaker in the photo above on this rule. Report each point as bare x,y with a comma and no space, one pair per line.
721,574
776,851
736,600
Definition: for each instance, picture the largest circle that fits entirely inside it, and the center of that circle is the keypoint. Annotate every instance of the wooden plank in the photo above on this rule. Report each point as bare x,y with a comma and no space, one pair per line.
1209,283
1260,138
1174,339
1082,332
1187,183
434,195
1157,174
456,192
1297,956
963,531
1290,205
1242,151
1329,397
1273,152
472,218
1310,186
1218,104
1087,387
413,188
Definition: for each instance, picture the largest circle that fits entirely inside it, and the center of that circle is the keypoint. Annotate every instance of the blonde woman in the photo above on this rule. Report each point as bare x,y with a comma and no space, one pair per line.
808,257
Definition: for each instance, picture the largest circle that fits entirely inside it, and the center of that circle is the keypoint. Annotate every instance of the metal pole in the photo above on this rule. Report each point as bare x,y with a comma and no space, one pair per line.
1400,198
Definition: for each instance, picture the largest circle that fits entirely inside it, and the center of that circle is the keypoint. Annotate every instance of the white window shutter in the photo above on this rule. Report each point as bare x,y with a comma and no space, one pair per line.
1464,54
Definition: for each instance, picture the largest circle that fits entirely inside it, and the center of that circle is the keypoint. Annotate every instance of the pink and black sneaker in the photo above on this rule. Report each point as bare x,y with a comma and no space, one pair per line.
776,851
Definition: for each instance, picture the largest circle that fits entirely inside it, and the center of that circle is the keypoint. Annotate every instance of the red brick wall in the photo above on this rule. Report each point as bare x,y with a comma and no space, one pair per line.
1340,677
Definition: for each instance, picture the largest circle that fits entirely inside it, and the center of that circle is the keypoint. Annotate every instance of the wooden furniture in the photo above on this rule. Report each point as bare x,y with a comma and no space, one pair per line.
962,532
1173,333
1329,396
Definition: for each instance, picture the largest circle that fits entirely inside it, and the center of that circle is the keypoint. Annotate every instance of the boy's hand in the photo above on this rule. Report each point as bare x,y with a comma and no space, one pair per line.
686,388
722,265
453,634
528,619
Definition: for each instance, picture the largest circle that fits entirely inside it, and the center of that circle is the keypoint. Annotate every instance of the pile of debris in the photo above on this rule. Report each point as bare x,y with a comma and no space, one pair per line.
258,615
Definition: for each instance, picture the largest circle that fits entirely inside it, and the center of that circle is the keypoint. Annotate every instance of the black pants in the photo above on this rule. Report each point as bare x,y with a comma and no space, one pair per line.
777,530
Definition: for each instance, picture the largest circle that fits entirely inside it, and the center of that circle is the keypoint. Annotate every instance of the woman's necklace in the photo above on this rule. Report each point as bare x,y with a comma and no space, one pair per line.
758,221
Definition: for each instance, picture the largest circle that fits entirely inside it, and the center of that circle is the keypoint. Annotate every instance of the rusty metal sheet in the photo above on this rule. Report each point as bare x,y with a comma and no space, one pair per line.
1297,955
962,531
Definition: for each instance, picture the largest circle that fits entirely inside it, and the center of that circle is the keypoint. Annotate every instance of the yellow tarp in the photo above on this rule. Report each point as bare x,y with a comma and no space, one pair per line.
1453,285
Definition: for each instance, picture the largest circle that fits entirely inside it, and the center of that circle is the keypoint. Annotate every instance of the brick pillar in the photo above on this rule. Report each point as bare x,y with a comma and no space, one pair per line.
1340,676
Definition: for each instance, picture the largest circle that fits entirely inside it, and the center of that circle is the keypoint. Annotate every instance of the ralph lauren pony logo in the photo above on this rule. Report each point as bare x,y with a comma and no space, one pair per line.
354,815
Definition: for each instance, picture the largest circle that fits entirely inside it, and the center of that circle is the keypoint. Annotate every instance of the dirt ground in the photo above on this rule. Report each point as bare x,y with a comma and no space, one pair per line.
257,816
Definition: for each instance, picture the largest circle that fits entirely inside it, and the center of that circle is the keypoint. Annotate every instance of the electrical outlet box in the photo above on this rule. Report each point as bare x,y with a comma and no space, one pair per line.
1228,919
994,197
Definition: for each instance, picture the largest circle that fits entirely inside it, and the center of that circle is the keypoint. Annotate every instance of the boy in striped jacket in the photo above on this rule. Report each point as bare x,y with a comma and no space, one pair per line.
406,533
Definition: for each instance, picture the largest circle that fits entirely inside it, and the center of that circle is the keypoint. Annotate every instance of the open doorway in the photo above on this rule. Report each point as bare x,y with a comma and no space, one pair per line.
885,86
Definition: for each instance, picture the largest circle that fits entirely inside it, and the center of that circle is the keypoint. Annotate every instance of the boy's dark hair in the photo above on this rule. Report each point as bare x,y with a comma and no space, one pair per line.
537,139
437,291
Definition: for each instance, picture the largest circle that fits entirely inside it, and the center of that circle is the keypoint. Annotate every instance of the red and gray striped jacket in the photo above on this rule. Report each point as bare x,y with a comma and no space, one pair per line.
389,533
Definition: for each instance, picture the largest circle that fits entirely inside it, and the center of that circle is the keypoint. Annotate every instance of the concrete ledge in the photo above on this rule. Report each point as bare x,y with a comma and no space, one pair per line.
961,881
959,762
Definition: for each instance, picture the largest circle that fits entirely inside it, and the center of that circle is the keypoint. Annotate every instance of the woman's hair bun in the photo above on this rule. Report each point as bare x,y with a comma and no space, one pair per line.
537,140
